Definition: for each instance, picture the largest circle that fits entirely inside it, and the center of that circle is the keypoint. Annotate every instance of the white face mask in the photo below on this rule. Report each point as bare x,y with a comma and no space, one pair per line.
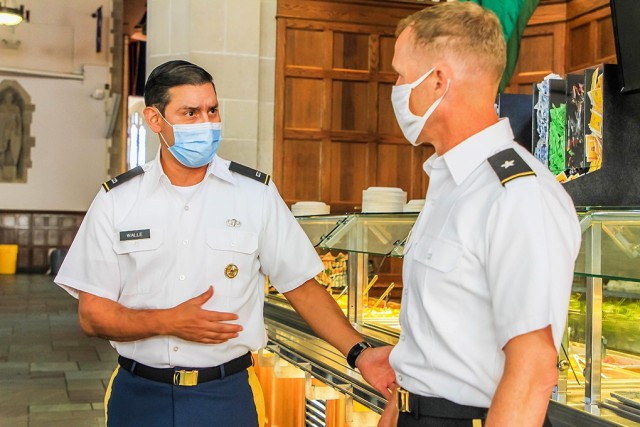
410,124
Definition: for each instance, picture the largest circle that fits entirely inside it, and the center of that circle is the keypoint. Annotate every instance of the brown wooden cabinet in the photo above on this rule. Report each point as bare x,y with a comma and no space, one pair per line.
335,131
562,37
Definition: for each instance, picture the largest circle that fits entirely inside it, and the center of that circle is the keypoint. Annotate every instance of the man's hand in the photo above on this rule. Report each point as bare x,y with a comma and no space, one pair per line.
373,364
191,322
389,417
108,319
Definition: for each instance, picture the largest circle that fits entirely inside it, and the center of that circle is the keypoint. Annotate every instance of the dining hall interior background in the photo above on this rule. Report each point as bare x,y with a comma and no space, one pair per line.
304,88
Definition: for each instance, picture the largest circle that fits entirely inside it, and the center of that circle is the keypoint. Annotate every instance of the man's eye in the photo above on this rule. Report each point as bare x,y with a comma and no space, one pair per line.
213,111
190,113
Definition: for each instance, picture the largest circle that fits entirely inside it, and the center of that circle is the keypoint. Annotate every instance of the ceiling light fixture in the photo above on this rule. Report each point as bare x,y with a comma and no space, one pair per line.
13,15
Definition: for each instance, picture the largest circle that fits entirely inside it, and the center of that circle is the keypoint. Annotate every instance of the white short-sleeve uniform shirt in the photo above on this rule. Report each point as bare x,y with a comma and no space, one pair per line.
147,245
484,264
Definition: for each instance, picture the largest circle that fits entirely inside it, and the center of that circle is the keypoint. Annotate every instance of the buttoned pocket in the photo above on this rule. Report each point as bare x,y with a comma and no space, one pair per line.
245,242
138,258
232,260
438,253
136,241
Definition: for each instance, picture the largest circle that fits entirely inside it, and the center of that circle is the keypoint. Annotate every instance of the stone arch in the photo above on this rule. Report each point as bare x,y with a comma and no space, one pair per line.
16,114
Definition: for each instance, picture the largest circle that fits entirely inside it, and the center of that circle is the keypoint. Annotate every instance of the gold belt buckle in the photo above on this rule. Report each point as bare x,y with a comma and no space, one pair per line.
403,400
185,378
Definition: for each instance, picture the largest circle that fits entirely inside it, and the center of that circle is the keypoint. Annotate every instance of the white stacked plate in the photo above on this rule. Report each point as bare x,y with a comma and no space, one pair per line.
310,208
414,205
383,199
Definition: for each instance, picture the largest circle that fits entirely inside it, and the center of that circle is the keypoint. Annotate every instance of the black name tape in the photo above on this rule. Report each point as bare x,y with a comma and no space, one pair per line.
135,235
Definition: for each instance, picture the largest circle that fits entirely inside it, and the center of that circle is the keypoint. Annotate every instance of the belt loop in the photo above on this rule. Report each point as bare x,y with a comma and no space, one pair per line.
222,375
133,367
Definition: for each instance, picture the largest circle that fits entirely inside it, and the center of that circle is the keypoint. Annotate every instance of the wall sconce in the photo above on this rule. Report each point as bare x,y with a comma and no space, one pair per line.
13,15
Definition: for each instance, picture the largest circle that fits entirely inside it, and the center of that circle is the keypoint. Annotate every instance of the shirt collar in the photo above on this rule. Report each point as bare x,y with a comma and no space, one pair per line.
154,173
465,157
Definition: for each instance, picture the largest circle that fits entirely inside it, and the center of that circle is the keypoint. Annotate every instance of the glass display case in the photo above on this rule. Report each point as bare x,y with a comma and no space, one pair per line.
599,362
363,267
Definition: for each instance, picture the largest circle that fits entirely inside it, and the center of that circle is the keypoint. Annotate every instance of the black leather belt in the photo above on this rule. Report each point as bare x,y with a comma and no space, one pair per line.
186,376
437,407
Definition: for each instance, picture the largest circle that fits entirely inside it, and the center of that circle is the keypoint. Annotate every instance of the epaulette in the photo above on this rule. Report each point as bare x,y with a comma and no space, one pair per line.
508,165
250,173
114,182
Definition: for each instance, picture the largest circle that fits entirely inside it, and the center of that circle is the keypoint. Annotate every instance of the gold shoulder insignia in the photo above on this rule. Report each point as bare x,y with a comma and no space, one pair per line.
508,165
250,173
114,182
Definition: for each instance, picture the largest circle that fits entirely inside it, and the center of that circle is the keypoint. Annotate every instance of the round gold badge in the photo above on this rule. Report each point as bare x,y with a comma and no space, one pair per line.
231,271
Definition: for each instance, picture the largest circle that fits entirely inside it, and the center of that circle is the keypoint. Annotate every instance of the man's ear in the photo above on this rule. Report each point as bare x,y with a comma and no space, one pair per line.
153,119
443,75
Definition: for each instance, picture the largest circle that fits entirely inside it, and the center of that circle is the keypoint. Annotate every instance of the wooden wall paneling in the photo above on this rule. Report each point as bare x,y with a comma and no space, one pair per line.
580,43
548,14
372,129
279,101
300,48
302,171
590,39
304,105
577,8
395,166
349,11
541,52
350,165
605,42
355,57
327,164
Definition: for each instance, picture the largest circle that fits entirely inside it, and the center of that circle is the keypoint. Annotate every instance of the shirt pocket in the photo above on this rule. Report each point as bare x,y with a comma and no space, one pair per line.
438,253
231,260
138,261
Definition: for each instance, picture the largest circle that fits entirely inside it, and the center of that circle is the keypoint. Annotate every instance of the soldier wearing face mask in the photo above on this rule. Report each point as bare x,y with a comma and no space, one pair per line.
170,263
489,264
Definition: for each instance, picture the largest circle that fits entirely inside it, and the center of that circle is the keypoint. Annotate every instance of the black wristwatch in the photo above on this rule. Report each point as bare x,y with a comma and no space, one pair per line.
355,352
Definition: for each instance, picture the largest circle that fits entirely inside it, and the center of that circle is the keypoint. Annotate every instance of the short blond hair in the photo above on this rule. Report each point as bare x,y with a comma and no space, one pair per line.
463,29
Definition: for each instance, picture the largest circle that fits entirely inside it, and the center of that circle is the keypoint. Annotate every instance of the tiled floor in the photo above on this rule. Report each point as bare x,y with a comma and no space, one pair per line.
51,374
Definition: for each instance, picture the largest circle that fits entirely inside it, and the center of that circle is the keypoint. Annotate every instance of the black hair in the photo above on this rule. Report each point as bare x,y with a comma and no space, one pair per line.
171,74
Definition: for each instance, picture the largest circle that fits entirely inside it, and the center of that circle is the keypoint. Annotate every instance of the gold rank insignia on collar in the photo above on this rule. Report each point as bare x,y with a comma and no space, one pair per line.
250,173
508,165
114,182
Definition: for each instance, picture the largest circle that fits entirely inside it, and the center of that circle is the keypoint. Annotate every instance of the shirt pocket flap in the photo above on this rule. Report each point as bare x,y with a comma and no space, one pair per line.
135,244
439,253
245,242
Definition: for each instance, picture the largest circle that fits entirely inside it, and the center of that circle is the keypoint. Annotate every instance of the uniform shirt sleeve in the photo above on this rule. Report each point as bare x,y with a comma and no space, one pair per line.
91,264
286,254
534,238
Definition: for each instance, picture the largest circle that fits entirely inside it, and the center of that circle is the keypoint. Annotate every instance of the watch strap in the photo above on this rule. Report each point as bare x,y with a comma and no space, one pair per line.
355,351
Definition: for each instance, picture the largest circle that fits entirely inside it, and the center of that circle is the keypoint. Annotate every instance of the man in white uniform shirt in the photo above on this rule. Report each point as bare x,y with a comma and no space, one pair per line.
489,264
170,263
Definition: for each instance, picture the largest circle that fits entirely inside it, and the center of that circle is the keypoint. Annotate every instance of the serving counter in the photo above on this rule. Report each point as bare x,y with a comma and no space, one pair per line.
362,254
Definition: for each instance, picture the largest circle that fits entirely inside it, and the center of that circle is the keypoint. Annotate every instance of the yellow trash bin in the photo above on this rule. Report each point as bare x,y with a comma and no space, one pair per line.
8,259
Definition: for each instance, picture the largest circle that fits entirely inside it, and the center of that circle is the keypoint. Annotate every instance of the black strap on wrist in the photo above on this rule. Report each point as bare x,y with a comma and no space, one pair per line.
355,352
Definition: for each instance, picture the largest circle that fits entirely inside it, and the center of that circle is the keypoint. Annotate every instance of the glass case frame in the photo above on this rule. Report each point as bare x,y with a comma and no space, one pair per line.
607,235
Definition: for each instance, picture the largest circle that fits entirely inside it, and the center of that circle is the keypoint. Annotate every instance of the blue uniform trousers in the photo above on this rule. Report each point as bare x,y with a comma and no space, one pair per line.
232,401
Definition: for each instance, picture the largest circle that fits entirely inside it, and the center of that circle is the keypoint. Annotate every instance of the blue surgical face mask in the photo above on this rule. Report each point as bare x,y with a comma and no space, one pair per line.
194,145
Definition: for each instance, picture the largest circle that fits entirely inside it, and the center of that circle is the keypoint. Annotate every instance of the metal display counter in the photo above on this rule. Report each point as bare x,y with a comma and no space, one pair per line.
600,352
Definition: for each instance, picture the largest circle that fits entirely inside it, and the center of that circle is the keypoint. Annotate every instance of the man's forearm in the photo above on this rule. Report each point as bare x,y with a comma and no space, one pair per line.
323,314
108,319
529,376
